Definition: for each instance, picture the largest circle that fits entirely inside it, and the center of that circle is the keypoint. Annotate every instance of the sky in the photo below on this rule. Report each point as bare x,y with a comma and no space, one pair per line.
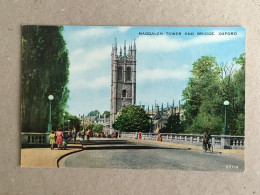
164,60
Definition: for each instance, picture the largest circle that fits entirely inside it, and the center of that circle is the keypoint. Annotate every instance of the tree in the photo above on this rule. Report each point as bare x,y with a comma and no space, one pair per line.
90,126
97,128
94,113
45,71
173,124
132,118
106,114
203,97
209,87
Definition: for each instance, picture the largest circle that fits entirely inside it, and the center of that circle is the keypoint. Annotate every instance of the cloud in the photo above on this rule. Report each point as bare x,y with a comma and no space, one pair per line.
96,83
167,44
162,74
94,32
123,29
97,32
82,59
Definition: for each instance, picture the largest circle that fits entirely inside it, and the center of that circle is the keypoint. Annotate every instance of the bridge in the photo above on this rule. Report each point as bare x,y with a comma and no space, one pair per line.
129,153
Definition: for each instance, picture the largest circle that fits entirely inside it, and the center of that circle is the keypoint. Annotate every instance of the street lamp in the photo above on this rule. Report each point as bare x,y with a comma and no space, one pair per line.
226,103
151,126
63,120
50,97
68,125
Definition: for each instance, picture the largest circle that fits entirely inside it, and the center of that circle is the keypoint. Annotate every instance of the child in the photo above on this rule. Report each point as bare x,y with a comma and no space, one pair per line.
52,139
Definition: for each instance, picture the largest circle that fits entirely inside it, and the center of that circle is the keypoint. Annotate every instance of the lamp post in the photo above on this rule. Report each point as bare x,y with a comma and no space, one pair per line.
50,97
151,126
68,125
63,120
226,103
83,122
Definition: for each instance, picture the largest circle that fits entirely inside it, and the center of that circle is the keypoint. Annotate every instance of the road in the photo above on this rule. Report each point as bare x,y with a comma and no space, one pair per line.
123,154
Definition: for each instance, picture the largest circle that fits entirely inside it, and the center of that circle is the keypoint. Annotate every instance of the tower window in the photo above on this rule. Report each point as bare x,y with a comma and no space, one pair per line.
128,73
120,73
124,93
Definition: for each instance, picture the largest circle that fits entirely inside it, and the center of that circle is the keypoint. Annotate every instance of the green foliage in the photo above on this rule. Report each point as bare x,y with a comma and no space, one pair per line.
45,71
94,113
132,118
105,114
209,87
90,126
98,128
74,122
173,125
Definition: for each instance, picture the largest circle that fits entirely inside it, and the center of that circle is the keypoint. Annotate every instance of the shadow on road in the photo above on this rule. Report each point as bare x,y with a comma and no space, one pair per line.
121,145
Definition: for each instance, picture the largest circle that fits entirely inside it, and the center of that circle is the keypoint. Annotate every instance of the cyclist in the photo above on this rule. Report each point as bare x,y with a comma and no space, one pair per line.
206,138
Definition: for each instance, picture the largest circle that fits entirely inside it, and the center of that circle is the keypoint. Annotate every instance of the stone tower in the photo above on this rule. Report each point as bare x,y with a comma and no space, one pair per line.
123,79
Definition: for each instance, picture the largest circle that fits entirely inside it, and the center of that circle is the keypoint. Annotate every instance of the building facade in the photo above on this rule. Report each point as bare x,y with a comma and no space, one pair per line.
159,116
123,79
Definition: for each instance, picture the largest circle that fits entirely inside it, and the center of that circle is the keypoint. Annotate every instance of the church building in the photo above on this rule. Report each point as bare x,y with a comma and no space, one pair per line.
123,79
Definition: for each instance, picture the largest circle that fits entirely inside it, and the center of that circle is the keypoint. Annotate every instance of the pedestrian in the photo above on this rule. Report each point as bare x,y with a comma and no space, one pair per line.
52,139
206,138
83,134
136,135
74,134
88,134
69,134
159,137
140,135
59,140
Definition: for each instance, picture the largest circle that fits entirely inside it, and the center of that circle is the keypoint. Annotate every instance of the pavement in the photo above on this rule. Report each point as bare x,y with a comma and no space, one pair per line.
45,157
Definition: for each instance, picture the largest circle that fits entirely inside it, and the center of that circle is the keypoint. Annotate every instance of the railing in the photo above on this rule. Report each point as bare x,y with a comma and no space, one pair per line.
218,141
34,139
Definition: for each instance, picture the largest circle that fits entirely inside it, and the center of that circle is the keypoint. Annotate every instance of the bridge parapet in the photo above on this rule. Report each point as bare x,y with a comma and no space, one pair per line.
218,141
31,139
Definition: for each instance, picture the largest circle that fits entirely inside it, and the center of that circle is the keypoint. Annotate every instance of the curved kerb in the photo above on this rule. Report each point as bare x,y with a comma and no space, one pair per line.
61,157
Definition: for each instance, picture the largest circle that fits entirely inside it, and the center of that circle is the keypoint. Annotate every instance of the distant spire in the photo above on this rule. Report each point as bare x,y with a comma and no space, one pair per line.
120,51
148,109
167,105
129,51
152,109
134,45
172,103
162,107
115,44
124,48
154,102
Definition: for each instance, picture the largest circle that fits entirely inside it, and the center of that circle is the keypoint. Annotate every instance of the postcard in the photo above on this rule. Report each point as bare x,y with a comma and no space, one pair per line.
130,97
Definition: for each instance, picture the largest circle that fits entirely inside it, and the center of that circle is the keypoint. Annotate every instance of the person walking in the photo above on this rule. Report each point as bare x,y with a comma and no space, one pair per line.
69,134
74,134
88,134
159,138
59,140
140,135
52,139
83,134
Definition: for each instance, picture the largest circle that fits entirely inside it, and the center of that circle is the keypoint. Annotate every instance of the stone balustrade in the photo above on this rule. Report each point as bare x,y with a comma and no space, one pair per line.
33,139
218,141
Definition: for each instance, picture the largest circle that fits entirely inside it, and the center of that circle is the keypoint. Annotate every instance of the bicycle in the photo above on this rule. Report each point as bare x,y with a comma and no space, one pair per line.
208,146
